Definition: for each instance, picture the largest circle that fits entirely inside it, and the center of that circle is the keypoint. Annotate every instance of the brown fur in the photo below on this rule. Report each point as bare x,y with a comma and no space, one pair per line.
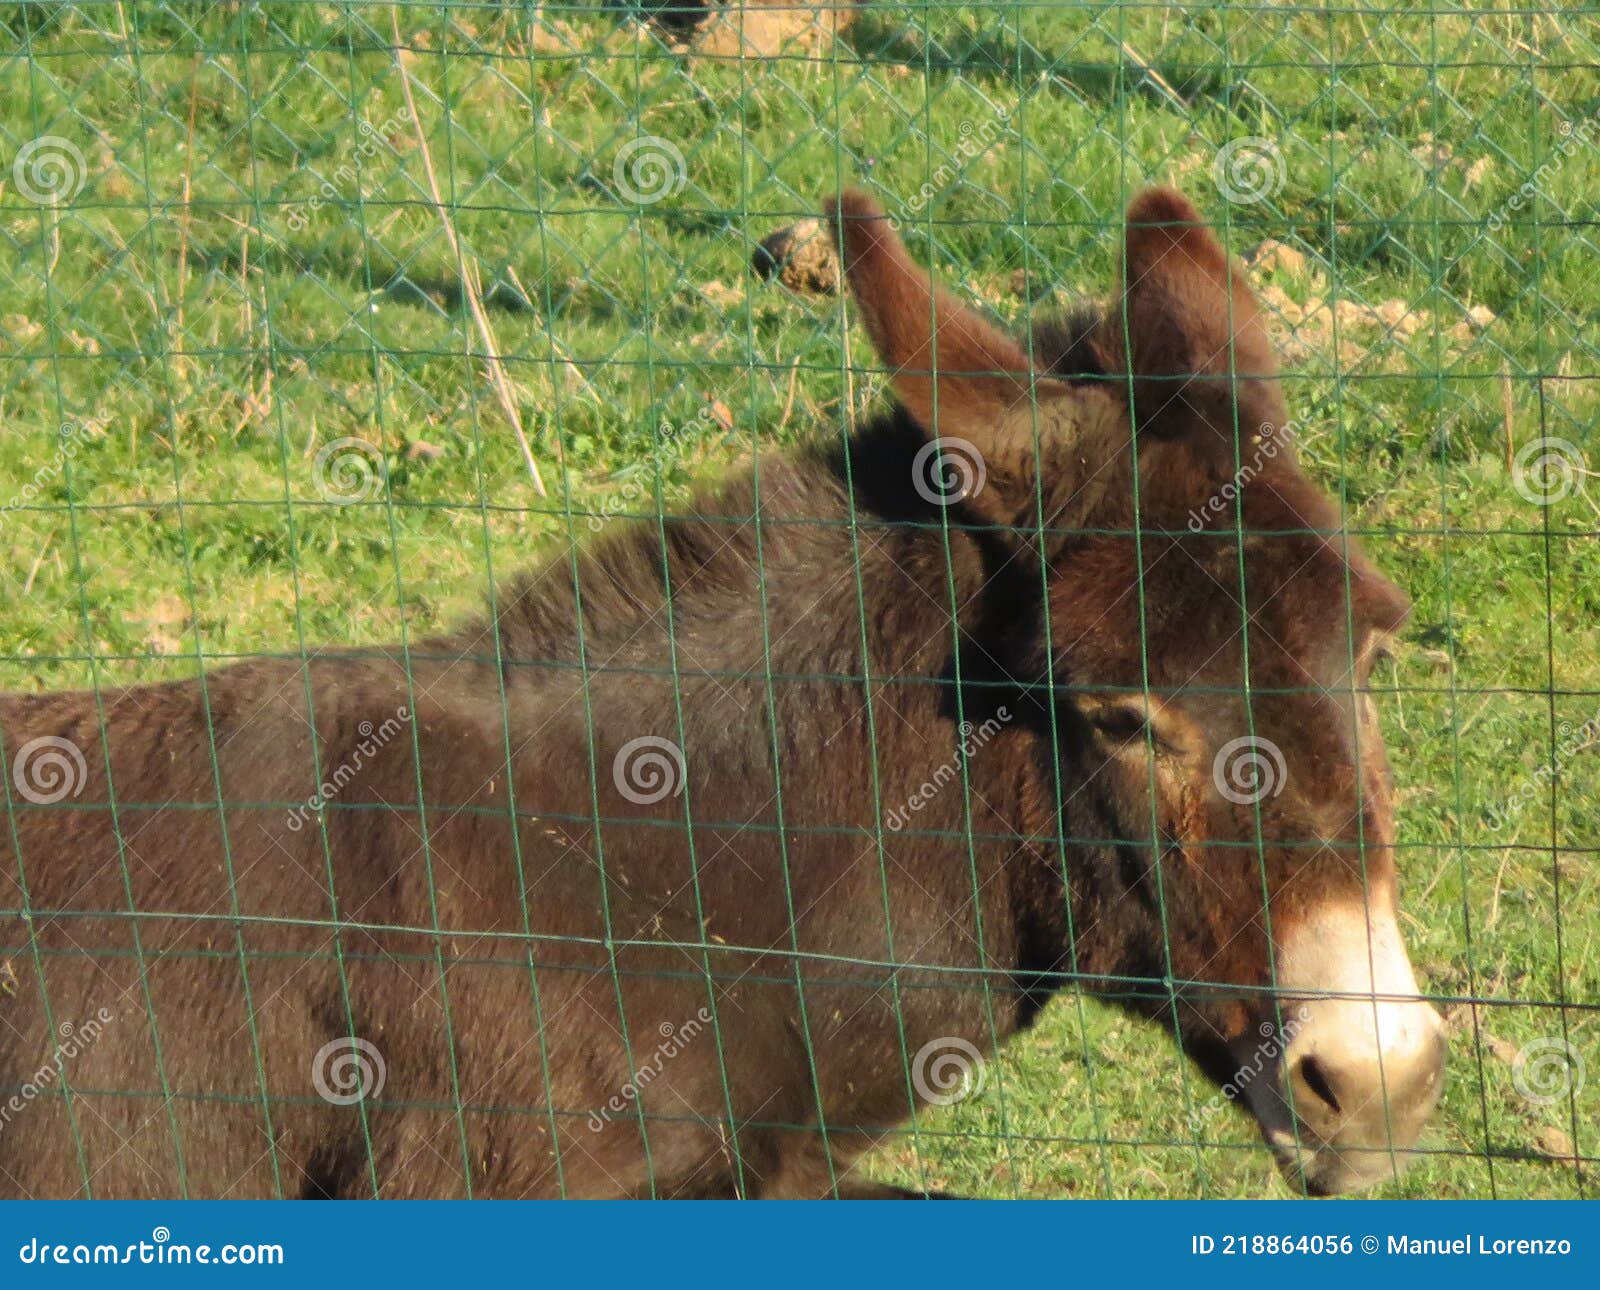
518,938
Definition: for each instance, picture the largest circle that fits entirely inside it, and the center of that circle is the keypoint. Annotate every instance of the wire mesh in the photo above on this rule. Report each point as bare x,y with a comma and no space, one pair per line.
323,322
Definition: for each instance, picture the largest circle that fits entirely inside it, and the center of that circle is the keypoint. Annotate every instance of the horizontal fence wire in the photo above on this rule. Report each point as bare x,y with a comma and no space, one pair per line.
448,473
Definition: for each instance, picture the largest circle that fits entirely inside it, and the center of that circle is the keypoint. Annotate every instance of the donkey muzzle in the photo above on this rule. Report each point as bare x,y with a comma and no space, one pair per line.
1362,1062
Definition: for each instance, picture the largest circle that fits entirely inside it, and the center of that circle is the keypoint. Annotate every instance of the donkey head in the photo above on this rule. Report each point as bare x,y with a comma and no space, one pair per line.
1206,638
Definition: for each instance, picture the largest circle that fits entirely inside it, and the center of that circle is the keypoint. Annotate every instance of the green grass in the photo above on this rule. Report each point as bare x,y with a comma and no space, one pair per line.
206,327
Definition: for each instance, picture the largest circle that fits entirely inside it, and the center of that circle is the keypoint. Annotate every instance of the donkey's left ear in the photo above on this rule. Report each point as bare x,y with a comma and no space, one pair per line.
1191,330
956,373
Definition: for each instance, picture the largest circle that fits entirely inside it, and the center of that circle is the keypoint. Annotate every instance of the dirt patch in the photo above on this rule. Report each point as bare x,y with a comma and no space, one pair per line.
1304,317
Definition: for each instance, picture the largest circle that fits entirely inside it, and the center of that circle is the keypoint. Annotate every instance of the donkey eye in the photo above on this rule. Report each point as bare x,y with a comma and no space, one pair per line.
1380,655
1128,723
1120,722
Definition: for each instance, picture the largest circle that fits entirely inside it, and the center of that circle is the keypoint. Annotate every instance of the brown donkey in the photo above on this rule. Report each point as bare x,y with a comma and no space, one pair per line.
692,868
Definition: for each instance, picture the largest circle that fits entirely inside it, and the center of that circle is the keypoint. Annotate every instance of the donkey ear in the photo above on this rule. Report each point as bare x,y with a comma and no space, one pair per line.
1201,360
945,361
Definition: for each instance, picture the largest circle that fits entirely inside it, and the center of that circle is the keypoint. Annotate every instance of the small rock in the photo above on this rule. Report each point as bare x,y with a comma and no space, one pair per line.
721,295
1553,1142
801,257
1398,317
1479,317
718,411
1433,154
555,38
1352,313
20,327
766,28
162,620
1282,304
1277,257
422,450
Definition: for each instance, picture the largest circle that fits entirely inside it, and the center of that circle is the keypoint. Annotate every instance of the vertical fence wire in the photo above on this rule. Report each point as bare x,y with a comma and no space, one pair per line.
296,294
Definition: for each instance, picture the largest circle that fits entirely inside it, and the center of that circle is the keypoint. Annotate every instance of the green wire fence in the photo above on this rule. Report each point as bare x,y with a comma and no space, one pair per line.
322,321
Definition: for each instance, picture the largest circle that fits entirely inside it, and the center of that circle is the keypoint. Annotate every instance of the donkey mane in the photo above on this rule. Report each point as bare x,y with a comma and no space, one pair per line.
719,541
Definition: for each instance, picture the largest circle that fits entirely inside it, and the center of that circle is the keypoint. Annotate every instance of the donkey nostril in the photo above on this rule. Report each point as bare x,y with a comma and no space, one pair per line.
1316,1079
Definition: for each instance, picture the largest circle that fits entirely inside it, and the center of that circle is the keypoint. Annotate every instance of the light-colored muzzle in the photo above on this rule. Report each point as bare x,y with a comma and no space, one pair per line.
1362,1061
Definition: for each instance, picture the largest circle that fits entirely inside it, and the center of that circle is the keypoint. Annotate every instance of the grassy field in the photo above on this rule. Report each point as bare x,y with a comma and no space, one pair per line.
249,268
